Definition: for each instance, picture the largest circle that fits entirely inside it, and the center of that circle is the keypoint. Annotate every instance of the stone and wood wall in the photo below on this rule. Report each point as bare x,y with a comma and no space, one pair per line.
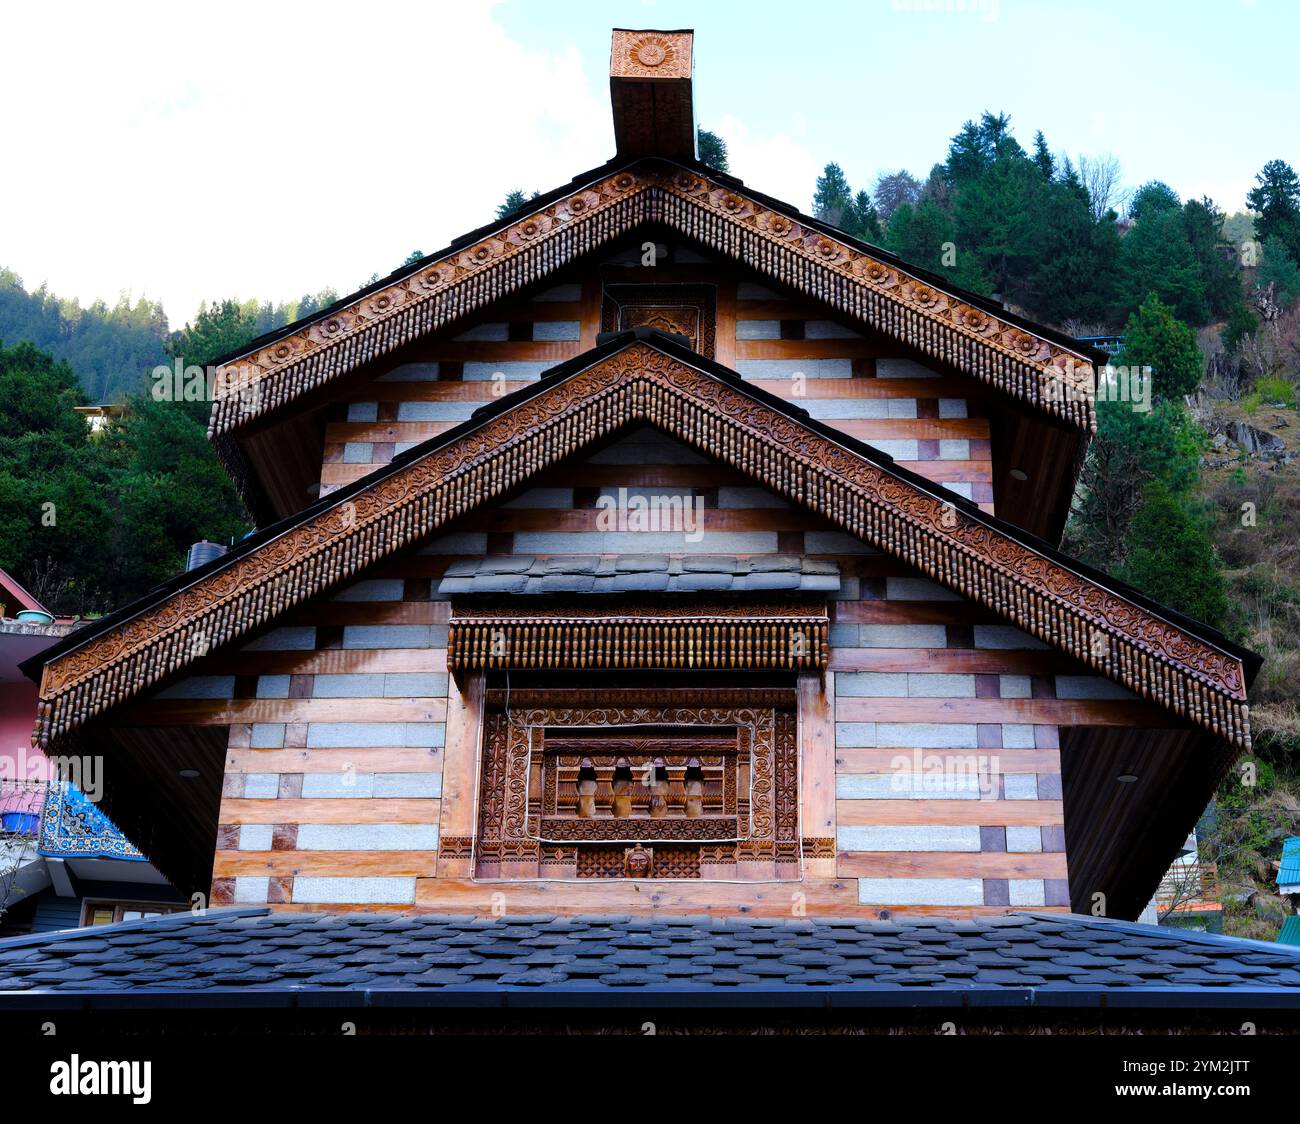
929,774
863,384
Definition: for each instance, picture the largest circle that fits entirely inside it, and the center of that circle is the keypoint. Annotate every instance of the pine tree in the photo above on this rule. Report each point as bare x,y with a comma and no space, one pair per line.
833,200
973,151
968,155
1043,156
1153,198
713,150
863,222
1276,202
919,234
514,202
1172,558
1154,338
217,330
997,219
1071,276
1156,257
1242,322
1278,268
1215,259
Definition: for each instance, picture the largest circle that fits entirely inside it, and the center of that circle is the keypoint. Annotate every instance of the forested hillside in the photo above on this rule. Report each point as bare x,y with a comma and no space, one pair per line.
112,350
89,521
1196,501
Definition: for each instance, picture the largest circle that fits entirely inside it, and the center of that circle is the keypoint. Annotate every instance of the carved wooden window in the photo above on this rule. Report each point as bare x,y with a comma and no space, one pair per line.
686,310
631,790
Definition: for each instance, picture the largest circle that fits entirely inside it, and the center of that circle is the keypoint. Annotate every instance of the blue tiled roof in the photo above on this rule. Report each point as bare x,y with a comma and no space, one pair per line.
1289,872
73,828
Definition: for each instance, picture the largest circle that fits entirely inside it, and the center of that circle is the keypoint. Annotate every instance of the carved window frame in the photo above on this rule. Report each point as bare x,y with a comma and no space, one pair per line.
626,305
513,841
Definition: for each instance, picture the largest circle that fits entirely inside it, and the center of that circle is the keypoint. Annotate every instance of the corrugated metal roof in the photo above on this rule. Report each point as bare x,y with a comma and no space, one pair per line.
1288,873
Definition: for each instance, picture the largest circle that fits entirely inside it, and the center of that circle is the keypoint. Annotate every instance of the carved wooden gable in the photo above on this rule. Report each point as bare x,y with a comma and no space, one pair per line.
273,398
859,282
648,379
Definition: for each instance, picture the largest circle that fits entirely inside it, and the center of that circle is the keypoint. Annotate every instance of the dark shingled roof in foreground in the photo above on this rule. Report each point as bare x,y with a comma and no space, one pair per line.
256,957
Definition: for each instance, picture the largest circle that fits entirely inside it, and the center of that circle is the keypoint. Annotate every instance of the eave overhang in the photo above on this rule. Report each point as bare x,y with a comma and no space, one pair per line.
644,377
1045,369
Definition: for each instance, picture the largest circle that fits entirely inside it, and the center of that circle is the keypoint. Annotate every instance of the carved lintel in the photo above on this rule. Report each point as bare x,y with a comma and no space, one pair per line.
739,639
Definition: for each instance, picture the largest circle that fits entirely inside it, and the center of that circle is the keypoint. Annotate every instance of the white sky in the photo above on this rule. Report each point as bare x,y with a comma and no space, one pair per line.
269,149
184,151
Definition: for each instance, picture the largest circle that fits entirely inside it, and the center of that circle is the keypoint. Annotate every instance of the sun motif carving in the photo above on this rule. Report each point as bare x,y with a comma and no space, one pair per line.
652,52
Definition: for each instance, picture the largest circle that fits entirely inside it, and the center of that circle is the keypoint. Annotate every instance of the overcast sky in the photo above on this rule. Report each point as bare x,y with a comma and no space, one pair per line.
185,151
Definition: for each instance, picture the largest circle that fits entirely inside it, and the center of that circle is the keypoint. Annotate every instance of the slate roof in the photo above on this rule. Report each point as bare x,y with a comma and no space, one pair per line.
640,573
257,957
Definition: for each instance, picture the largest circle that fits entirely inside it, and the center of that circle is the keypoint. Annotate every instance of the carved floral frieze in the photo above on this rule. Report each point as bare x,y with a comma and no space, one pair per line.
922,315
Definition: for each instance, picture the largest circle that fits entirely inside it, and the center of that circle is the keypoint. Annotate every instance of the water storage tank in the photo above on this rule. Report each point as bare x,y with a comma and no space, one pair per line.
202,552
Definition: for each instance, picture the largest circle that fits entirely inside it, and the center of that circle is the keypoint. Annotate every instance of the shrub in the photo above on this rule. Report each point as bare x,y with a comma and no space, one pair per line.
1172,556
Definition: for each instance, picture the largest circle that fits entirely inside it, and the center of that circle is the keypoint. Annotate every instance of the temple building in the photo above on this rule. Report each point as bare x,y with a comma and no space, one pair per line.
659,570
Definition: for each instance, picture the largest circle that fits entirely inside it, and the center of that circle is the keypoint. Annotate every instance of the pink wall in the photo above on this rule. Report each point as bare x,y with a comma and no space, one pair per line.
19,760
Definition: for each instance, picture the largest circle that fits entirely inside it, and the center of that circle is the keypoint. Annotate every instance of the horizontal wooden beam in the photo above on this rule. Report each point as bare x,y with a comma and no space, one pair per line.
937,864
329,811
906,813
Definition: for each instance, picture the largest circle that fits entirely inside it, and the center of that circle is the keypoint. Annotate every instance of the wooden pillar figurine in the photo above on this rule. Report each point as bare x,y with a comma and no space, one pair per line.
638,862
694,785
586,789
622,788
659,788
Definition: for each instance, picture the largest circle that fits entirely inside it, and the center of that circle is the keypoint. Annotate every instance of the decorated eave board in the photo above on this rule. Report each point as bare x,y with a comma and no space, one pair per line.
863,282
644,377
655,182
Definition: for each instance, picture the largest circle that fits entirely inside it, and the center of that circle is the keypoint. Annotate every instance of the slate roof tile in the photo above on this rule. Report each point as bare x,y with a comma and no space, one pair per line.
247,950
528,574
